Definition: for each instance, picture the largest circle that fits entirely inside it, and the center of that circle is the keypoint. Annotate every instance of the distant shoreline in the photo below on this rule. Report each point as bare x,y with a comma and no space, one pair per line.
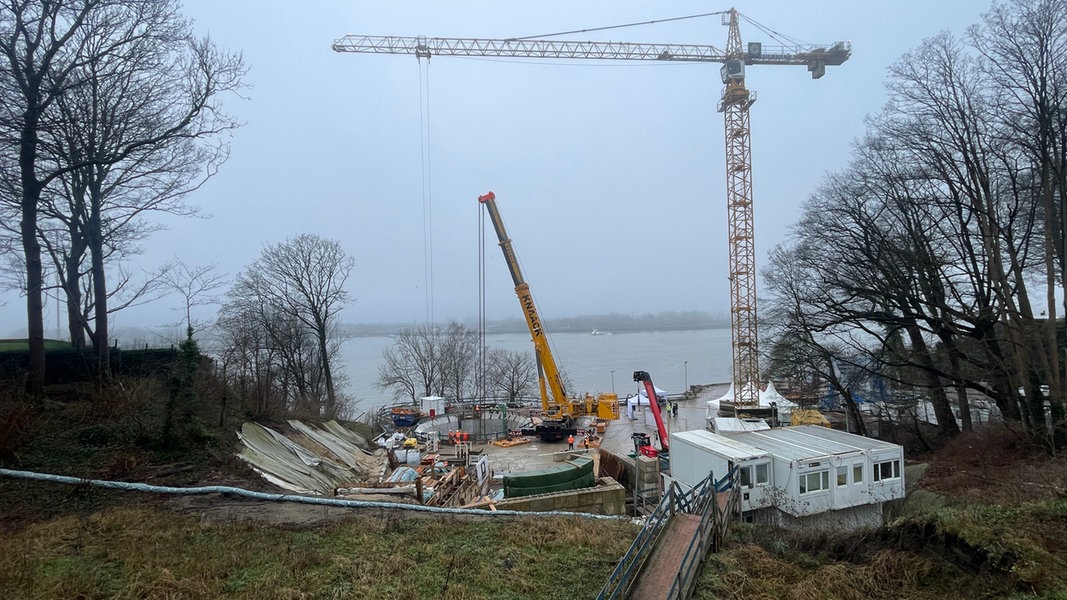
387,329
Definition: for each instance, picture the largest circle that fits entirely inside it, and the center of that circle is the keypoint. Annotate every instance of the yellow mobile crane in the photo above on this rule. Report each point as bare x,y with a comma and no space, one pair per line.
559,409
734,104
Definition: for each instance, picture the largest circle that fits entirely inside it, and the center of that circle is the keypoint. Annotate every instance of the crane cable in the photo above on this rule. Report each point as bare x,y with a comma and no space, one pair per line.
481,301
780,37
530,37
427,198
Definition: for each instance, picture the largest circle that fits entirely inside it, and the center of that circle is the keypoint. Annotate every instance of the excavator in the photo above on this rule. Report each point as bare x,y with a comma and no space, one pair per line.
644,447
558,409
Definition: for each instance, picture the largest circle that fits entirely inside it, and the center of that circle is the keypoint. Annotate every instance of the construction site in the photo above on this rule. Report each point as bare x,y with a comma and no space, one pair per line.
576,452
590,454
884,420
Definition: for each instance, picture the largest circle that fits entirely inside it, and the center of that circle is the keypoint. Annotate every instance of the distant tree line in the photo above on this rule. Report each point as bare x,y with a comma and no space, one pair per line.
611,322
452,363
936,259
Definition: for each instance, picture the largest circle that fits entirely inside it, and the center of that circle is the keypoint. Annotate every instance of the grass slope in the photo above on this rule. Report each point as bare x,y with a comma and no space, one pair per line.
150,552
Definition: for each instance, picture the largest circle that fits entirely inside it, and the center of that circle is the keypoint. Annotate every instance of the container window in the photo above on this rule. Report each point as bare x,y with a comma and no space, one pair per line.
889,469
763,474
815,482
746,476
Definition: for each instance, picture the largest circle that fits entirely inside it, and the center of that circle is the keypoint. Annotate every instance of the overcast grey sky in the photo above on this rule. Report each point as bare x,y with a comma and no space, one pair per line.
609,175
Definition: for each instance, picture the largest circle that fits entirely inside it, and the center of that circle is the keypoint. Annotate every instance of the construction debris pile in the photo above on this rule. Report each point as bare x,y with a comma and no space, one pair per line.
331,460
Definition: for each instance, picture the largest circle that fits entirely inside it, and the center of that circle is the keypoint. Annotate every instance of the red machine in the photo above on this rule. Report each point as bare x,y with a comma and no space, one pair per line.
653,405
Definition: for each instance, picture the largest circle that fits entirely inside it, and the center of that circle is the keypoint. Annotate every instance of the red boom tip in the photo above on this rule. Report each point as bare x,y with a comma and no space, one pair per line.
487,197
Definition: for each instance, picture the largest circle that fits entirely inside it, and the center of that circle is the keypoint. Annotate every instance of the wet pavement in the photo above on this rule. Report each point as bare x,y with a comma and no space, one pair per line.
617,437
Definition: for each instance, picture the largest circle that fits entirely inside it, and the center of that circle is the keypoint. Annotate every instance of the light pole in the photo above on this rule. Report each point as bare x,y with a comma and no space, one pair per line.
685,367
613,381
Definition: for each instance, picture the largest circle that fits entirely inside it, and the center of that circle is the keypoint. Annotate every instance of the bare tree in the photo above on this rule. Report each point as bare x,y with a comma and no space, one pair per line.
919,259
413,367
56,56
804,349
39,45
144,126
196,285
296,290
1024,44
512,374
427,360
459,353
250,360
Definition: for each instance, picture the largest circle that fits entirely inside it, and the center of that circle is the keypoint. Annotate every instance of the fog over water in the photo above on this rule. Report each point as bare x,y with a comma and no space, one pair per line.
672,358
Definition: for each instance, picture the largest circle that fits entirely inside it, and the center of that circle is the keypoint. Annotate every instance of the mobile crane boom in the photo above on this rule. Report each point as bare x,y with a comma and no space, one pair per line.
559,409
553,394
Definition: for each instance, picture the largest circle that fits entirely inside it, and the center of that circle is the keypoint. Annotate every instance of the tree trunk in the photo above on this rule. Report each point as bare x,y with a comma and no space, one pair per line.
31,248
327,371
853,412
101,340
946,421
961,390
72,292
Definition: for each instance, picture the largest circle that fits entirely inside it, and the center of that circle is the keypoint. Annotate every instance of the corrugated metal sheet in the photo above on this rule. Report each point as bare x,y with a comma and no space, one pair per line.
291,466
857,441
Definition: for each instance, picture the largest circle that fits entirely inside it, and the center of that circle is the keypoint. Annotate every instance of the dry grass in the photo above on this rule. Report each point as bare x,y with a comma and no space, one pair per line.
997,464
749,571
152,553
17,418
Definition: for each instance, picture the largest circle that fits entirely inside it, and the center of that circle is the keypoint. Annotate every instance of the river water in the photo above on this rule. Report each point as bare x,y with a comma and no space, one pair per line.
592,363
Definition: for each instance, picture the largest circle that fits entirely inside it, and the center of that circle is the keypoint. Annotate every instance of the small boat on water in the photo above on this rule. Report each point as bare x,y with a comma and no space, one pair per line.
405,416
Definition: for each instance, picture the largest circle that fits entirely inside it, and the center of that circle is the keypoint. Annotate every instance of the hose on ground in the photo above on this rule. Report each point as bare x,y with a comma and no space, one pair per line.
224,489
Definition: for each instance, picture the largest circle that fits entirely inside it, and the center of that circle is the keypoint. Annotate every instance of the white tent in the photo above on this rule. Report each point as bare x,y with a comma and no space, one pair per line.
661,394
641,399
766,397
785,405
633,402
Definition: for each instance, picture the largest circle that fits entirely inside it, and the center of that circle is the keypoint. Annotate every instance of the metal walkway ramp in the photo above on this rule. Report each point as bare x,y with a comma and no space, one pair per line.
668,561
666,557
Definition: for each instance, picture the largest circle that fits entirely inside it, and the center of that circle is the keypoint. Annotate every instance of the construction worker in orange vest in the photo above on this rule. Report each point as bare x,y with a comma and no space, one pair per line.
570,442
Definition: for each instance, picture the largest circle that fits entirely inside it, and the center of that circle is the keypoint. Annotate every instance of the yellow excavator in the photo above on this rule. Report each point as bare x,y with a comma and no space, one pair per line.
558,409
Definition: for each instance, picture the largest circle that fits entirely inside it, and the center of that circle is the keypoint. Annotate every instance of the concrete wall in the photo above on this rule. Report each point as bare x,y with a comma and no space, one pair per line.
847,519
608,497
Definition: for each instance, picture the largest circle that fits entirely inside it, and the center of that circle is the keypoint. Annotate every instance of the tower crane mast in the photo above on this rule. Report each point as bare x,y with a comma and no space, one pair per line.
734,104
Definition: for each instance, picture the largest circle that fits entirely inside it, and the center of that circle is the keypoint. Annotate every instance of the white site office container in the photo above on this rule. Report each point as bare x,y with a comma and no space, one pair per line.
695,454
841,477
882,480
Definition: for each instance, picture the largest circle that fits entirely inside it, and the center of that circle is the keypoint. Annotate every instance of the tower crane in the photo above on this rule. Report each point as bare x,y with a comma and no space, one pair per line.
734,104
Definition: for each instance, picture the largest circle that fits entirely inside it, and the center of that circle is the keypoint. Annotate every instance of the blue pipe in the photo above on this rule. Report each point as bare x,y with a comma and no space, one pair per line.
225,489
